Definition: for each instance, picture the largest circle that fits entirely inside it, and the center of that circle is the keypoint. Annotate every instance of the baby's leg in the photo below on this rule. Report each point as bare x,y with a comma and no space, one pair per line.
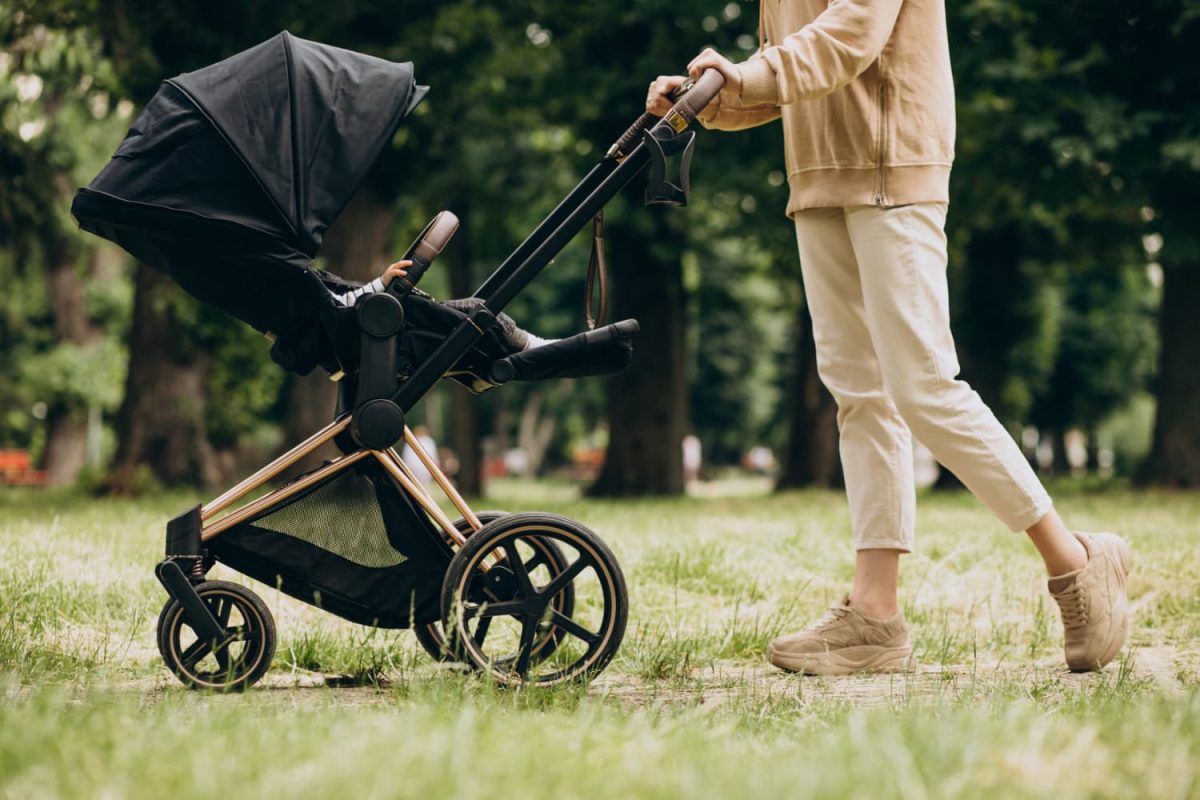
515,338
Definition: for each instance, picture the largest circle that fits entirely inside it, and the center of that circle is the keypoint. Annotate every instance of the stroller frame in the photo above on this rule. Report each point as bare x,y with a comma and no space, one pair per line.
479,546
389,458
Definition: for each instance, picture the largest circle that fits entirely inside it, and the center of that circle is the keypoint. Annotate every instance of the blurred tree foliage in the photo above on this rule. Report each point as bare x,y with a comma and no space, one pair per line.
1072,195
63,319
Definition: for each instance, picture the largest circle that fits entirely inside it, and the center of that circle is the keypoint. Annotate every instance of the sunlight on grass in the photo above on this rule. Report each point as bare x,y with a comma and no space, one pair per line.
688,707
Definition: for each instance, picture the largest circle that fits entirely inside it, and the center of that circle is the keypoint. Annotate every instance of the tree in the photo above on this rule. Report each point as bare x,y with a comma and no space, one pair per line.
1116,112
69,359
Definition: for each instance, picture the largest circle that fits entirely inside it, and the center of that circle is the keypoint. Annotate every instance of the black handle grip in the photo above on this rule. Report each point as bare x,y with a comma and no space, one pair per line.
695,95
690,98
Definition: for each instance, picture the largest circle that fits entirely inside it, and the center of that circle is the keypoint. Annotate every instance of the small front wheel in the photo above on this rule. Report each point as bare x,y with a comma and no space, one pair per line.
231,664
497,611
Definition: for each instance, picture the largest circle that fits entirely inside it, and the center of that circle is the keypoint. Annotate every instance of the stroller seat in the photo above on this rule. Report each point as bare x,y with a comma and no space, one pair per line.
331,338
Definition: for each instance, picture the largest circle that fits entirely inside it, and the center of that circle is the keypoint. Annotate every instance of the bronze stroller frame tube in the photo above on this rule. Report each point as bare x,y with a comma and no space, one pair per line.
388,458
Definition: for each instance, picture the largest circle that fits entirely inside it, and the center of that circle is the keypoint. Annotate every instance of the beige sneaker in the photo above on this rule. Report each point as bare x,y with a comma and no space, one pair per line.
843,642
1094,605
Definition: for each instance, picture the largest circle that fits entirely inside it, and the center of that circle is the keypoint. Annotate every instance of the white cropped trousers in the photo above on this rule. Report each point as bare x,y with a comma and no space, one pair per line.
875,281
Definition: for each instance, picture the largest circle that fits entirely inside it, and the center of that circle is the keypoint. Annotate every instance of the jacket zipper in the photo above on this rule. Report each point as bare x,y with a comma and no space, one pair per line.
880,187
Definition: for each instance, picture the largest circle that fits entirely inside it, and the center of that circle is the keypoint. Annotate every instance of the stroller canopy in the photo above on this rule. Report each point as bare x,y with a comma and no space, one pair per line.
231,175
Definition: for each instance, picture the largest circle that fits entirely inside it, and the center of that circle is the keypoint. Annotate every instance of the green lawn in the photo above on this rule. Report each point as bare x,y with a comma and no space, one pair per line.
688,708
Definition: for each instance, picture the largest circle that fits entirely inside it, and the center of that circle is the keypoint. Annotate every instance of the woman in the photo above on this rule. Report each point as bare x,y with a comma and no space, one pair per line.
866,96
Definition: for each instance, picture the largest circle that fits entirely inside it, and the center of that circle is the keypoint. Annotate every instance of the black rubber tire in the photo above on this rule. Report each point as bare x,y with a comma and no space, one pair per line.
463,578
250,664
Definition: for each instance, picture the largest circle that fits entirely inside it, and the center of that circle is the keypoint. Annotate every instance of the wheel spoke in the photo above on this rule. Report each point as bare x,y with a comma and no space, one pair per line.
222,607
222,656
481,630
513,558
244,633
529,627
196,651
538,559
566,576
572,627
510,609
485,610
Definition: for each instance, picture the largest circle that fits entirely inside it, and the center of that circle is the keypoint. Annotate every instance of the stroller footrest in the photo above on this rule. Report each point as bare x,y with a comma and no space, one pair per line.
604,351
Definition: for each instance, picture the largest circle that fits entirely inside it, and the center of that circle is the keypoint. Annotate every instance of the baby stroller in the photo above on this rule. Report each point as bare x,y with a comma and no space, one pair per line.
227,182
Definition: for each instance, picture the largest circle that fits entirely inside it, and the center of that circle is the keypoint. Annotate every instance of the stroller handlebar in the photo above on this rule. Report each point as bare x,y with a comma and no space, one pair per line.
693,96
690,99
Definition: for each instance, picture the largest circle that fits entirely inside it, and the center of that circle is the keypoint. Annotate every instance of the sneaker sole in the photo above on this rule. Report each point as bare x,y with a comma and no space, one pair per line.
1121,632
844,661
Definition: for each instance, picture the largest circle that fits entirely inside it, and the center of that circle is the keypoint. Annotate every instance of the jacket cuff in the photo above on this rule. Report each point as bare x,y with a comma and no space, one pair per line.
710,111
759,86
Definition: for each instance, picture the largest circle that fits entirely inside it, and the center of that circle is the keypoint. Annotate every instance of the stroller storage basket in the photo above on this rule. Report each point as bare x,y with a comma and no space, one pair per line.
353,545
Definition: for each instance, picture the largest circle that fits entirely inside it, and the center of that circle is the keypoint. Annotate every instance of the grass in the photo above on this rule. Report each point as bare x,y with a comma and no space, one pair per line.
688,708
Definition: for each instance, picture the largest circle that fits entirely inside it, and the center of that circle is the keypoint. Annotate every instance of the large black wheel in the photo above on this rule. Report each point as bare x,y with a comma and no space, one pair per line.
497,610
541,555
231,664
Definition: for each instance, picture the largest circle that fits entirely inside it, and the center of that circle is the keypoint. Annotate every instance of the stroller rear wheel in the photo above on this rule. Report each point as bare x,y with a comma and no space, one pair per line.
498,614
541,555
232,664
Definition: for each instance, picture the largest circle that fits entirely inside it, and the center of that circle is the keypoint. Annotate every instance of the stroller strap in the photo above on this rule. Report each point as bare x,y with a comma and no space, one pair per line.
597,271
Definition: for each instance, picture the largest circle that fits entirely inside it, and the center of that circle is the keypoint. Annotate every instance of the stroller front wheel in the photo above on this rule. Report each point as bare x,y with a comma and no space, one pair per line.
235,662
497,610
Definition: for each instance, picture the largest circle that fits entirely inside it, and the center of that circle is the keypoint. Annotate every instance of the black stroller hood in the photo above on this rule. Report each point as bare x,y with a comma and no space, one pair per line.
231,175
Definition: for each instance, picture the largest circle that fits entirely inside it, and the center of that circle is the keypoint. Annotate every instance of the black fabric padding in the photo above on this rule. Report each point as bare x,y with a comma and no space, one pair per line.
173,158
391,597
230,176
307,118
574,357
382,561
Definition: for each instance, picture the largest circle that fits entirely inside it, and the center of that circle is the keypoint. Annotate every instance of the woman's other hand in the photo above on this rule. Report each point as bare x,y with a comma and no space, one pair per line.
658,99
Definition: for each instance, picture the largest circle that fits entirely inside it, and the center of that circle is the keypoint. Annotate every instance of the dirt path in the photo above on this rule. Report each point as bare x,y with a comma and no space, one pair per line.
1154,668
1157,669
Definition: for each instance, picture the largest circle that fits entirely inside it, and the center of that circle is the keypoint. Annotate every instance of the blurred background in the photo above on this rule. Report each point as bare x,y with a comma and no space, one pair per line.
1074,230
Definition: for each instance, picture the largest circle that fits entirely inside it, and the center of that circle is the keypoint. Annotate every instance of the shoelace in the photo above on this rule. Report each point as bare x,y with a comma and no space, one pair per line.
1074,609
832,615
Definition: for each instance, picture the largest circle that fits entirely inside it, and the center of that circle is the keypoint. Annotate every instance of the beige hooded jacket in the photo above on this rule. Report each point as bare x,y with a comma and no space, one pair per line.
866,96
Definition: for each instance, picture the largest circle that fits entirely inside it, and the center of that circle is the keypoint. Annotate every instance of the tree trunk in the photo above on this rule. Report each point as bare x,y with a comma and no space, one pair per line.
1061,466
66,445
466,425
1093,450
1175,456
810,456
647,405
161,424
66,426
535,431
355,248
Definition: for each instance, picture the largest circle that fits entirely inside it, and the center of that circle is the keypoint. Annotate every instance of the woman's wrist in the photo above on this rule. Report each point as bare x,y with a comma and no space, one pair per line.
759,85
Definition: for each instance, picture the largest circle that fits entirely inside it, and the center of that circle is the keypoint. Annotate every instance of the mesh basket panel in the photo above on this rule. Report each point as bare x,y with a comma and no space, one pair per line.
341,517
355,545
